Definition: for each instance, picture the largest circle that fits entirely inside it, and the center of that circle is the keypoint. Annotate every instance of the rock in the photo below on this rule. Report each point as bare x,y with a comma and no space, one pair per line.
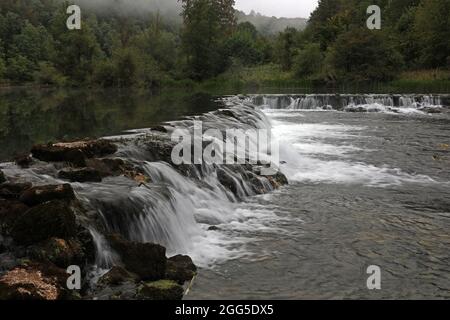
90,148
62,253
116,276
162,129
2,177
29,283
23,161
227,181
51,219
107,167
213,228
52,153
41,194
147,260
10,211
277,180
80,175
180,269
162,290
13,190
84,237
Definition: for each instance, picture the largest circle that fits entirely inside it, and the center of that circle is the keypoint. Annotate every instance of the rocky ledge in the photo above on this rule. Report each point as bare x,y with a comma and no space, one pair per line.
44,230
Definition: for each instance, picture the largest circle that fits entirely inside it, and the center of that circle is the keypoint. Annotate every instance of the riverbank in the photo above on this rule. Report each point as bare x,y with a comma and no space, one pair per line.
271,78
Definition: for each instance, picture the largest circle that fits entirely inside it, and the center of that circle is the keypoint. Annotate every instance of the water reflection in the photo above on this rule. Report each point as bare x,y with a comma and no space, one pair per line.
29,116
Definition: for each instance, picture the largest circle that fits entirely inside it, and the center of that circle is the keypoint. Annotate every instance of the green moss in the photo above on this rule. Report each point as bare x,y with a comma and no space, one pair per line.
161,290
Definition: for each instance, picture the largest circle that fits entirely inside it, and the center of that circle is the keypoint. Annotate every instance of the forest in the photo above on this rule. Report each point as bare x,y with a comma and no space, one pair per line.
151,49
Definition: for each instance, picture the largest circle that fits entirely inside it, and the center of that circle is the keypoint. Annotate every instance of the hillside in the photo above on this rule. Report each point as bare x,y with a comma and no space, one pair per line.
271,25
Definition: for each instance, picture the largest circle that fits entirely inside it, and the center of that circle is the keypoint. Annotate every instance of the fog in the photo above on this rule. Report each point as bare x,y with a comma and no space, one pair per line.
278,8
165,7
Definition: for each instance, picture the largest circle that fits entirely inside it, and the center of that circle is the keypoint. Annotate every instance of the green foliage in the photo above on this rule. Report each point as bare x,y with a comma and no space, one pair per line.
207,23
362,55
432,26
309,61
47,74
132,48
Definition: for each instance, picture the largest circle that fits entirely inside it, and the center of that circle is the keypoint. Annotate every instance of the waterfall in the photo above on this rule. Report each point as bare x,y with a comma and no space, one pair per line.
349,102
178,205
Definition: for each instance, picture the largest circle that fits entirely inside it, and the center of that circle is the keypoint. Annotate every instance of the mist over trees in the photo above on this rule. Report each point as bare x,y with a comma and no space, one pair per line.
146,43
271,25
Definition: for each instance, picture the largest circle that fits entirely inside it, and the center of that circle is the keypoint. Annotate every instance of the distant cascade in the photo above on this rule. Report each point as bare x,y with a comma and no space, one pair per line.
348,101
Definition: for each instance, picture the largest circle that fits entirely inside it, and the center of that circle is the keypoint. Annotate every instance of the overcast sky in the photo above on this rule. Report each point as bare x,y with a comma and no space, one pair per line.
279,8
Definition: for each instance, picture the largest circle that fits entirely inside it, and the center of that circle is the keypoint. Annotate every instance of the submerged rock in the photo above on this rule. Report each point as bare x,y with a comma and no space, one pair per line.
51,219
147,260
29,283
41,194
161,290
2,177
81,175
180,269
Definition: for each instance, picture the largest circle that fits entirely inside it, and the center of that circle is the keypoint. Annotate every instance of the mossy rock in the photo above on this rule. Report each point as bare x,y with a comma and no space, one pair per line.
161,290
60,252
180,269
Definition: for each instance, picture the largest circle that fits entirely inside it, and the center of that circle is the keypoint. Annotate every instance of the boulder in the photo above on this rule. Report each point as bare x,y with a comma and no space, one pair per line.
147,260
115,277
60,252
180,269
162,290
2,177
51,219
41,194
13,190
10,211
52,153
278,180
29,283
80,175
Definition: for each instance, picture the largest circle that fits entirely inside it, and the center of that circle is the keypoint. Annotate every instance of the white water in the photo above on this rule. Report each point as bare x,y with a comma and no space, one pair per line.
177,211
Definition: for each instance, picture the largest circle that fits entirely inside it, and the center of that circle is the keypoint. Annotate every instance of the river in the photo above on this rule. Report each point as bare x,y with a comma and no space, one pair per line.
369,184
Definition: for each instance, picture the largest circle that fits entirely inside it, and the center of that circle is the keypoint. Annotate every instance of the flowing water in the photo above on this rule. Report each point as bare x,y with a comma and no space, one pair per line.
369,185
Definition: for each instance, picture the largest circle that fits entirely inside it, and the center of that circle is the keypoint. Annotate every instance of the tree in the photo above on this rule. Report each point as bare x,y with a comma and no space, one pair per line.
206,24
309,61
432,26
362,55
285,48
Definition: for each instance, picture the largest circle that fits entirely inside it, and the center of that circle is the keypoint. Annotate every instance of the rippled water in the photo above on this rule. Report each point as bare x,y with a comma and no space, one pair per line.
365,189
